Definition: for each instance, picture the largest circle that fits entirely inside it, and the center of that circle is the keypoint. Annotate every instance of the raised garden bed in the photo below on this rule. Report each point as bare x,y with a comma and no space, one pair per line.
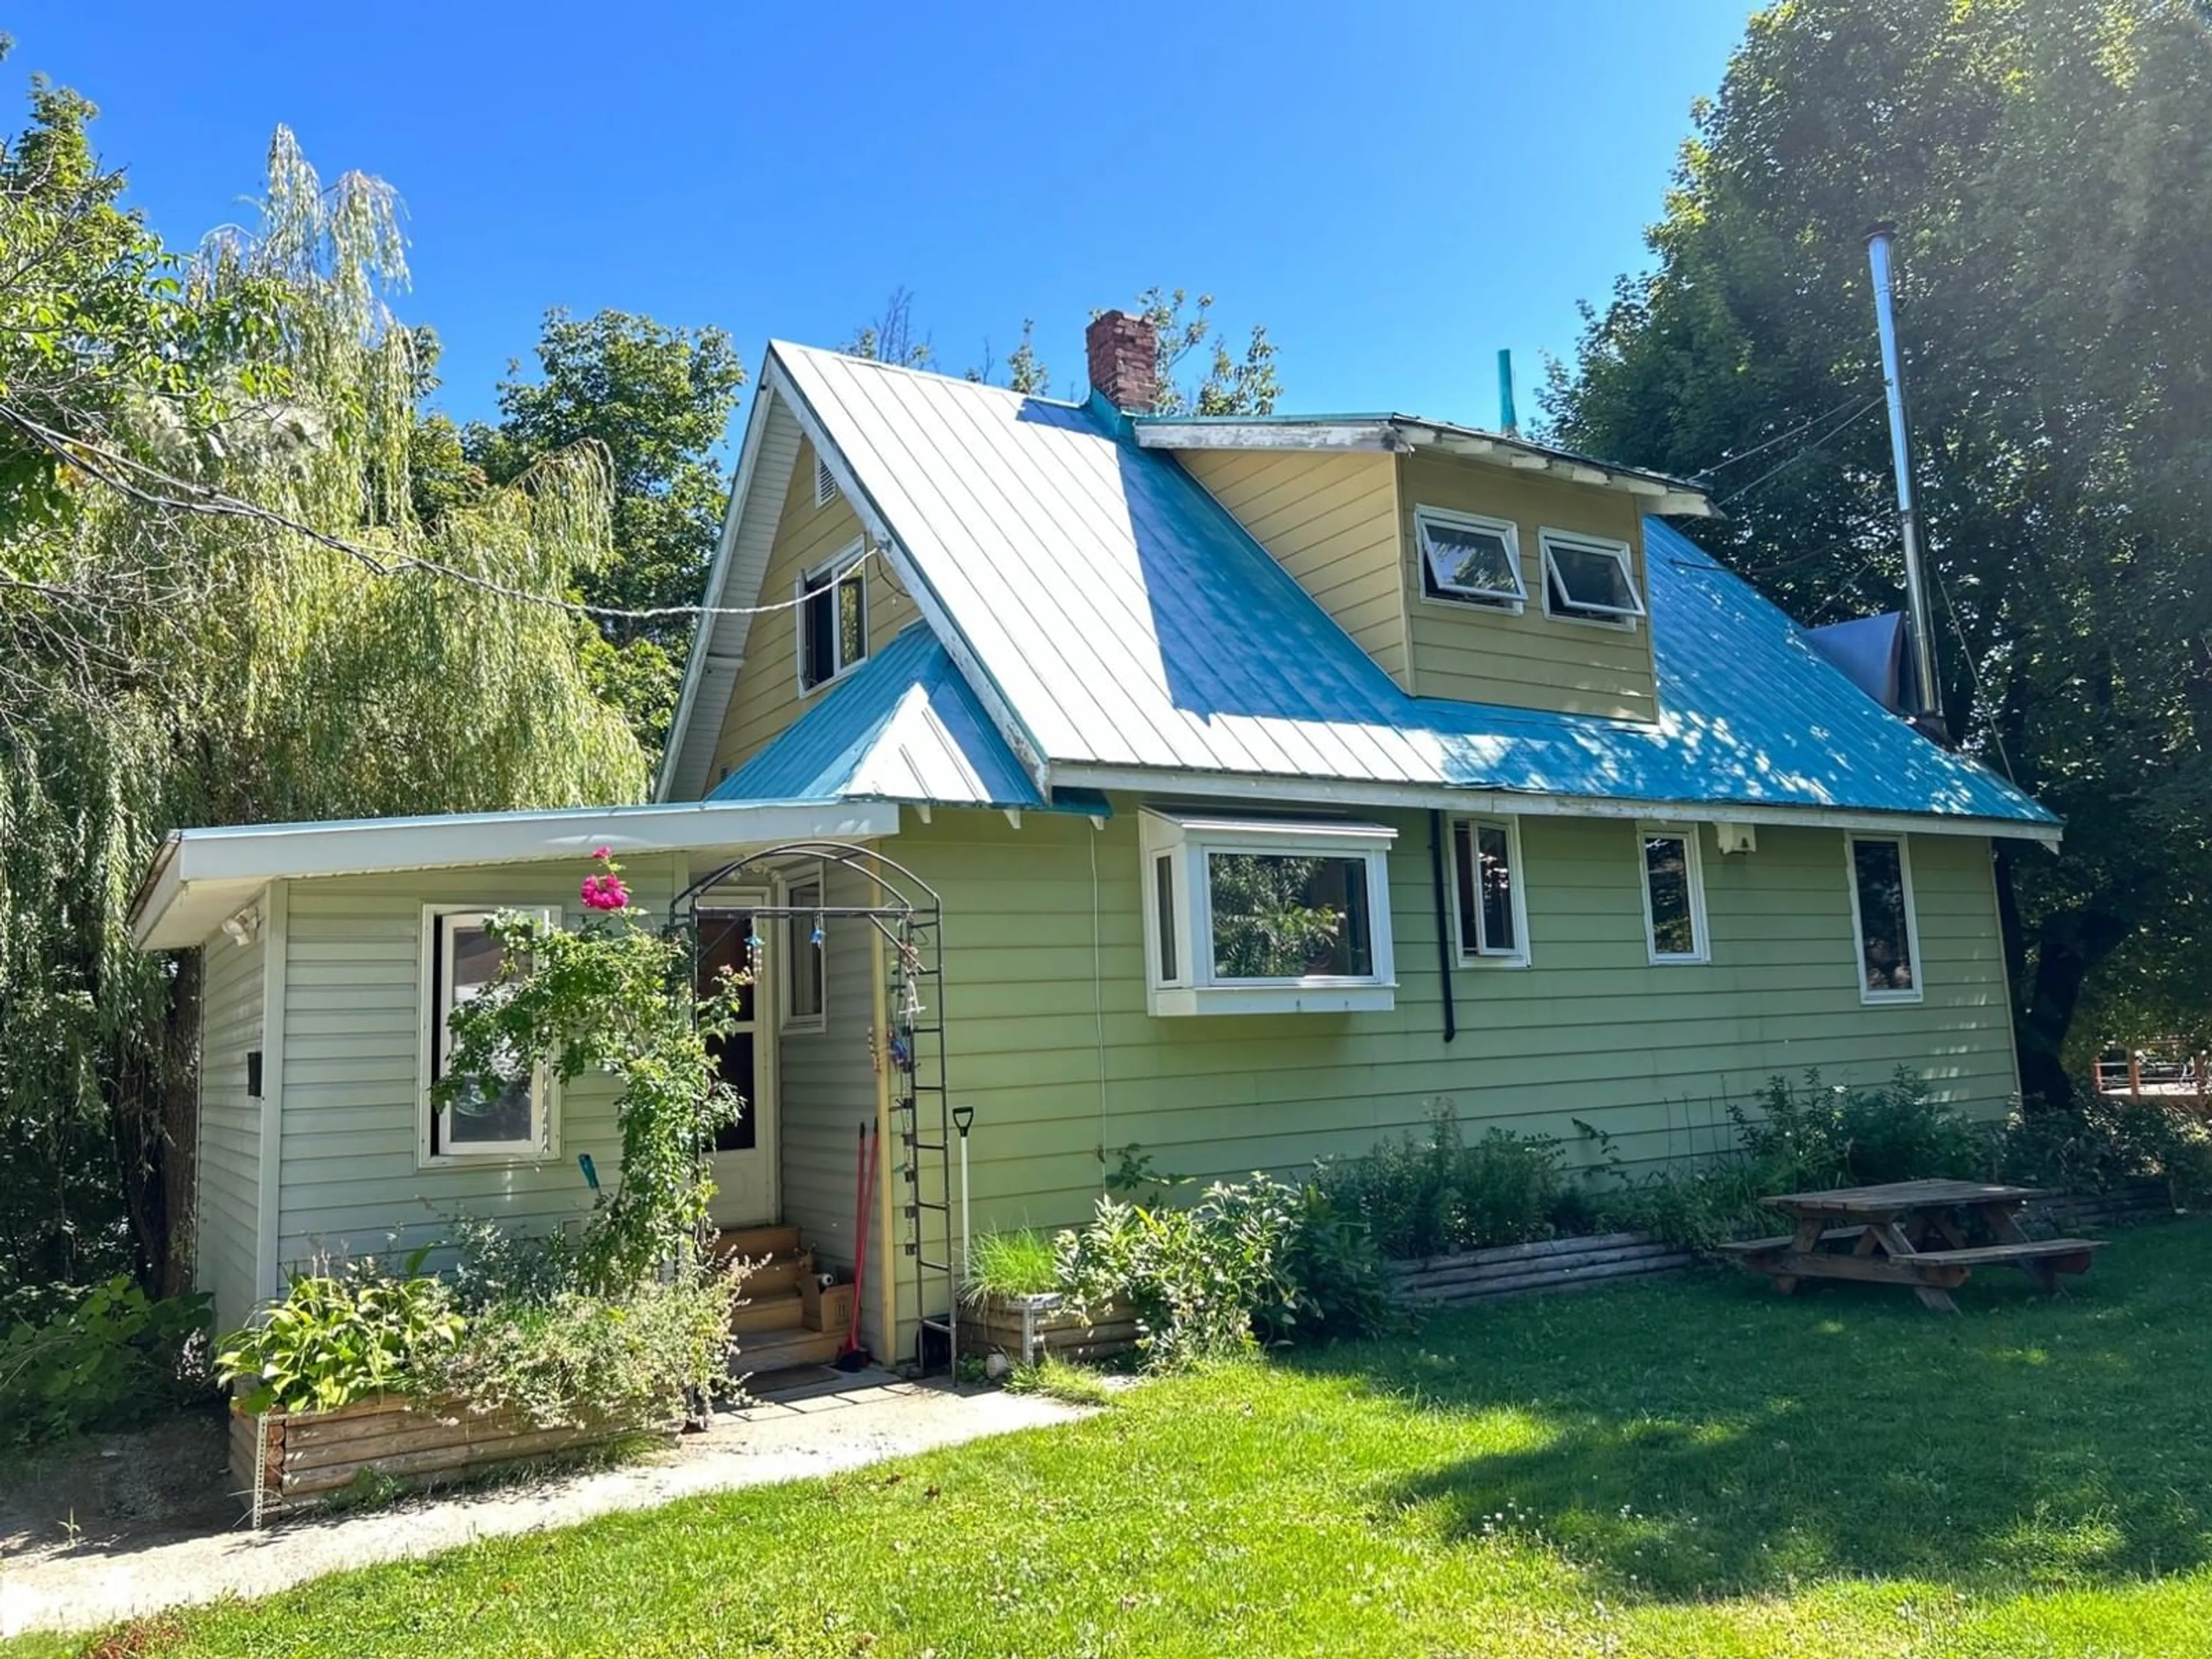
1552,1264
1025,1328
310,1455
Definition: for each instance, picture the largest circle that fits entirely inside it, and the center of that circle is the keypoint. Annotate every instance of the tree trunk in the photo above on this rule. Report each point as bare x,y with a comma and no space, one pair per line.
2068,944
153,1109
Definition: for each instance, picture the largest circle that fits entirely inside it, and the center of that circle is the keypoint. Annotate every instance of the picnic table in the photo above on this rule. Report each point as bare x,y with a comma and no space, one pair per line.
1919,1234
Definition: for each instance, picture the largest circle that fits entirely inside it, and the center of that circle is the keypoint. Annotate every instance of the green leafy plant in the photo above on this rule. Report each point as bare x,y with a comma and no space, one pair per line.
1432,1194
610,995
1015,1262
580,1357
343,1336
1056,1379
111,1358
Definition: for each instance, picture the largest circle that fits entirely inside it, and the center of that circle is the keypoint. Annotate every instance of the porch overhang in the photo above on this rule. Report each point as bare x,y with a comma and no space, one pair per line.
200,877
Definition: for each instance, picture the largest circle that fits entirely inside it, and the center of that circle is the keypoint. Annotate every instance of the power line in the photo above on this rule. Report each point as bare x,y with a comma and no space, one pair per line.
1782,437
1810,449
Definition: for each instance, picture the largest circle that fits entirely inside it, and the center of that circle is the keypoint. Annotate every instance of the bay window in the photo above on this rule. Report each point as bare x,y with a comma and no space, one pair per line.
1252,915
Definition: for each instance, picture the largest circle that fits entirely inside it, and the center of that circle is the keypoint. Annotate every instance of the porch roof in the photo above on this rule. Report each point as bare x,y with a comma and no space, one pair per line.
199,878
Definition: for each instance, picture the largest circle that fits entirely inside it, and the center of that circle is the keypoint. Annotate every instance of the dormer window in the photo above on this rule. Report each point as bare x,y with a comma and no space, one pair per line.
1587,578
1466,560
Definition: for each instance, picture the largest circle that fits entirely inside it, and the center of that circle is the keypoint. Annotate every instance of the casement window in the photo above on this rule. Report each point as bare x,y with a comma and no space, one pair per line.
1490,917
1467,560
1883,925
460,961
1258,915
1588,579
805,932
1673,894
833,617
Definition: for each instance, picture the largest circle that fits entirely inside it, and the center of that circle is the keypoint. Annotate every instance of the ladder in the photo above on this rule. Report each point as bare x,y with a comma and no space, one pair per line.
922,1119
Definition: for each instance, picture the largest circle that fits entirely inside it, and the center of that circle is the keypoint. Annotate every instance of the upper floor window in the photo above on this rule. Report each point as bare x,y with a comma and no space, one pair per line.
1249,916
1492,912
1469,560
833,617
1588,579
1673,894
1882,921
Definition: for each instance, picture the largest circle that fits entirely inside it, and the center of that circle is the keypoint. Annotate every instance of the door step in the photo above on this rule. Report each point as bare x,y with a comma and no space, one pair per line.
751,1241
785,1311
780,1349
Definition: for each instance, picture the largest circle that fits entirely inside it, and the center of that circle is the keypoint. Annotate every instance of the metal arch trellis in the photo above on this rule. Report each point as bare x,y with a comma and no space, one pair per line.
909,917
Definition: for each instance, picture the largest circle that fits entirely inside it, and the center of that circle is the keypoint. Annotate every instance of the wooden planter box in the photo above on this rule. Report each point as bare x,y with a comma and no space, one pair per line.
1553,1264
1025,1328
312,1455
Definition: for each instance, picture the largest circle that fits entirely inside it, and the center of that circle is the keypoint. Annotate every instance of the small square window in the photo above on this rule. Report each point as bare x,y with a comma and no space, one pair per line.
1887,933
1467,560
1674,895
1587,579
1492,913
833,618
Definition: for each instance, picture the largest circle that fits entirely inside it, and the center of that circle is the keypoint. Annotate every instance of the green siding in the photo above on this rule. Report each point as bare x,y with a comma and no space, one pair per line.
224,1219
351,1181
1650,1055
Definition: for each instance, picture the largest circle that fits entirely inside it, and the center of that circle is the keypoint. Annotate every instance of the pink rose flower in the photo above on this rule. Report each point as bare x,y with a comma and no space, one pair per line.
605,893
603,854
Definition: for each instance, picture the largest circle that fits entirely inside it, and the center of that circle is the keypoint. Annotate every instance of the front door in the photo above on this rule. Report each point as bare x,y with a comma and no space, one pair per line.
743,1161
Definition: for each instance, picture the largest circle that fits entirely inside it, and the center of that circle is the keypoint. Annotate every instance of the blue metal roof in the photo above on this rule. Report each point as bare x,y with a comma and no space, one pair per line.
1127,622
903,725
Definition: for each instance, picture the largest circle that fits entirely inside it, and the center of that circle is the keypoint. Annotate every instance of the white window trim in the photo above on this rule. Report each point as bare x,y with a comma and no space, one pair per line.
1512,606
1521,956
1619,619
819,1019
1919,991
849,565
1188,839
1694,868
435,970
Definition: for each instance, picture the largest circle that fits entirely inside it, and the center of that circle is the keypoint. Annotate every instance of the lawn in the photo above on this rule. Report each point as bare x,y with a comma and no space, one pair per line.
1690,1468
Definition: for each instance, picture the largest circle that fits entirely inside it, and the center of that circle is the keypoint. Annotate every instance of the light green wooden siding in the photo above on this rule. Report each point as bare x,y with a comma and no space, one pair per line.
768,698
225,1218
828,1086
1331,521
1059,1063
354,1013
1477,654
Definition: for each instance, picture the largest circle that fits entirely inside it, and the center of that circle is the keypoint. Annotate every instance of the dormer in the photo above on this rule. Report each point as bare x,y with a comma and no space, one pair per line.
1470,565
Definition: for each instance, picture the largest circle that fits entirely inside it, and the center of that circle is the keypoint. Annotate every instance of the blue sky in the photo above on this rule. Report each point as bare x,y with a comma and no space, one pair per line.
1397,193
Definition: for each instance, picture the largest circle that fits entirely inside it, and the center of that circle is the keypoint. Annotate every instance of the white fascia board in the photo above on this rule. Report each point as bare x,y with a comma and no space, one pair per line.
200,875
1151,434
1506,803
1027,751
703,637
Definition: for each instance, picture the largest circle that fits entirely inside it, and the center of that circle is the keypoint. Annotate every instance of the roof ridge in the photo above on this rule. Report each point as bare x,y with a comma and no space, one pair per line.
962,380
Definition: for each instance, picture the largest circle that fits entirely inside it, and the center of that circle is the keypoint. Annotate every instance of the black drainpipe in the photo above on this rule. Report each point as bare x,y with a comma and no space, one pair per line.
1444,930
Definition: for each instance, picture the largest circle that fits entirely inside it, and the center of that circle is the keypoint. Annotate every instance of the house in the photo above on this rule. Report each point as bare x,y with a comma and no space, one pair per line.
1233,788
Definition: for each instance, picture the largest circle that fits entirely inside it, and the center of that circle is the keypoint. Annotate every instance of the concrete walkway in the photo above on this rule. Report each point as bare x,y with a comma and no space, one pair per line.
822,1425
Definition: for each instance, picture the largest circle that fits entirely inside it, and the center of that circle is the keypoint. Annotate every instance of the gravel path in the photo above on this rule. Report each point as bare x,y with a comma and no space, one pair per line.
855,1421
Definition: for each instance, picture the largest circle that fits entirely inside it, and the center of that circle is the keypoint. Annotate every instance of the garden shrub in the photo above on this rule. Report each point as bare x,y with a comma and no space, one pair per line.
109,1358
1815,1135
342,1335
1431,1195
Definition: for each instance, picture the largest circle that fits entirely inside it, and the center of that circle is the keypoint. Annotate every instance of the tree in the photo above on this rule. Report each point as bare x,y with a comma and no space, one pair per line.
2048,163
224,604
657,401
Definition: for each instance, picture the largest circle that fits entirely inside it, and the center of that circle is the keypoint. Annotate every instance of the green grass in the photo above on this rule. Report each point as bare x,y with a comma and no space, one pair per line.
1013,1263
1686,1469
1057,1380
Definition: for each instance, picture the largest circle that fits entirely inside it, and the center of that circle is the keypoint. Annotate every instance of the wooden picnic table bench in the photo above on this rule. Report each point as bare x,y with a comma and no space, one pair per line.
1913,1233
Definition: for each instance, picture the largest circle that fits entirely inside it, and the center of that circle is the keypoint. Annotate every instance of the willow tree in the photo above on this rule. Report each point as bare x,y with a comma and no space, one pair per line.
224,604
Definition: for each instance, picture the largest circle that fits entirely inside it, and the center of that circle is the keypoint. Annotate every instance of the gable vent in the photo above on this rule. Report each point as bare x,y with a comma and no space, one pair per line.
825,483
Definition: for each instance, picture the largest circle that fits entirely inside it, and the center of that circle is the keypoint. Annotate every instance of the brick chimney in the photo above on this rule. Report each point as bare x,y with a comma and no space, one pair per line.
1124,360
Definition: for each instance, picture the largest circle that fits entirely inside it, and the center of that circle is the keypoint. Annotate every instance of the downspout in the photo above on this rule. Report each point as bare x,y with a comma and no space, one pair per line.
1444,930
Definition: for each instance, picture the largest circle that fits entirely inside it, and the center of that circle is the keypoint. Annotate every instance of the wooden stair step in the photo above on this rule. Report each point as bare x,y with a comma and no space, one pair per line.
780,1349
776,1276
777,1311
757,1241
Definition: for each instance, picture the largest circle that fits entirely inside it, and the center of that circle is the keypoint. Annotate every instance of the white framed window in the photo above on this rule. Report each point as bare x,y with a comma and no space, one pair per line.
1469,560
833,617
825,483
806,940
460,960
1883,925
1490,917
1265,916
1588,579
1673,880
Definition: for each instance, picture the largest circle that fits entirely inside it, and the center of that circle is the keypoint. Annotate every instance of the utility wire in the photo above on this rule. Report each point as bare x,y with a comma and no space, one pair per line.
1810,449
1782,437
1973,672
